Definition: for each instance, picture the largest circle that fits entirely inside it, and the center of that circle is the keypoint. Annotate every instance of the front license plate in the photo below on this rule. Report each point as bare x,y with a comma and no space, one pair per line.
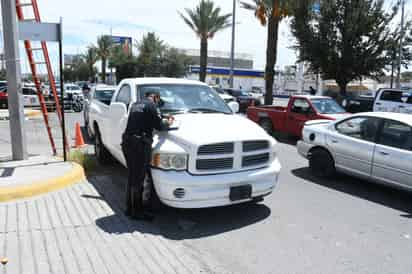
240,192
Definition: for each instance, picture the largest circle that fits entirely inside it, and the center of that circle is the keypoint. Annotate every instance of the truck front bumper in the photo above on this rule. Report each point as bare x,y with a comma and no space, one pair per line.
212,190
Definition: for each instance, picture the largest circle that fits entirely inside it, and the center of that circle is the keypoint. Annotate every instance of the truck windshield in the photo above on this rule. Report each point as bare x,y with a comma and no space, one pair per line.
327,106
186,98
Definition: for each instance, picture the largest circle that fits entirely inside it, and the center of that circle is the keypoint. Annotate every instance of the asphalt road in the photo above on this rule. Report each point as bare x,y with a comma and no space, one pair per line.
308,225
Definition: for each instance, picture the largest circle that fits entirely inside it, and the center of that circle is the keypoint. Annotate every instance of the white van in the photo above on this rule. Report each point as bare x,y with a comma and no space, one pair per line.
393,100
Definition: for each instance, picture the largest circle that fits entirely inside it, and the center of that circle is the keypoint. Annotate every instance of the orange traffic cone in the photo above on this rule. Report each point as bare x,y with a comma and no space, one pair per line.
79,136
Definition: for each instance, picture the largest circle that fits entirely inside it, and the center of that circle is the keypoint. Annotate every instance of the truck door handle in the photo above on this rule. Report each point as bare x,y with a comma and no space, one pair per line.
401,106
378,104
383,153
335,141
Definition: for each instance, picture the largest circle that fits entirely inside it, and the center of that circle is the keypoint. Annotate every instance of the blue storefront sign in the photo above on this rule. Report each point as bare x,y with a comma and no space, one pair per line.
226,72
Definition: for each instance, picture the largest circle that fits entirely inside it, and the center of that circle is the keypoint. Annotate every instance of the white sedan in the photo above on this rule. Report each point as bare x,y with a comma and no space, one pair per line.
374,146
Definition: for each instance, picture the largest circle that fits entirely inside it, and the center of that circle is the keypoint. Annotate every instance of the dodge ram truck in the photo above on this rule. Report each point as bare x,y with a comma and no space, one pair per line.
209,157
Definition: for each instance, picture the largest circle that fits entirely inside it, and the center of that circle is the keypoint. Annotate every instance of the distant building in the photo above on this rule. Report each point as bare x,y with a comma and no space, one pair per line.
220,59
245,79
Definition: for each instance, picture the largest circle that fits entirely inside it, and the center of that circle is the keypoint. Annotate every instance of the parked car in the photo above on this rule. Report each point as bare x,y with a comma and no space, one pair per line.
393,100
98,96
375,146
243,98
3,97
355,103
210,157
30,97
300,109
224,95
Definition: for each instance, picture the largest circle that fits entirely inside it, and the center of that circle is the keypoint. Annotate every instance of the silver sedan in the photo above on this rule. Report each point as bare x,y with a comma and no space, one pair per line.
374,146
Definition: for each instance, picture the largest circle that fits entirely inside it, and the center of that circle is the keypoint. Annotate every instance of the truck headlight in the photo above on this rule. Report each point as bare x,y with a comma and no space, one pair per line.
170,161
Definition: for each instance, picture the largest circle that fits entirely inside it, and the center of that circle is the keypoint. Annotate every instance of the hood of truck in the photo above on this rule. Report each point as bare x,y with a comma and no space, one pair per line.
199,129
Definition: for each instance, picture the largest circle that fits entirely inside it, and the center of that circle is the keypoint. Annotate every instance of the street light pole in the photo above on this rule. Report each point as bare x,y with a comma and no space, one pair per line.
15,99
232,52
398,78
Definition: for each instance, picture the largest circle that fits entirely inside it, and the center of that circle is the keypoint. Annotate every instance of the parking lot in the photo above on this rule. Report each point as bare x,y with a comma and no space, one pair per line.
308,225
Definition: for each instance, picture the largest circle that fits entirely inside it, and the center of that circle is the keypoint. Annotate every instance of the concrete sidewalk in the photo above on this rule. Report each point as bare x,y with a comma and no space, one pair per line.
82,229
37,175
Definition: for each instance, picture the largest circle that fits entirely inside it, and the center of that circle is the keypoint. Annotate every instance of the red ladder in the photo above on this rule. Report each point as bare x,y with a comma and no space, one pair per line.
33,66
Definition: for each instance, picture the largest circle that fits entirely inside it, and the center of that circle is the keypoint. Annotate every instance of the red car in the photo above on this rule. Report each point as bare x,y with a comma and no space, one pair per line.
3,98
300,109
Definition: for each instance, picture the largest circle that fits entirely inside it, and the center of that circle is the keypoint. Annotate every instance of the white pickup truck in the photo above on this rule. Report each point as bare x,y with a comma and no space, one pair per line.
210,157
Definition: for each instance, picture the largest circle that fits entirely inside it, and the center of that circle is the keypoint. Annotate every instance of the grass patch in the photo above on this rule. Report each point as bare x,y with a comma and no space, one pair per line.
87,161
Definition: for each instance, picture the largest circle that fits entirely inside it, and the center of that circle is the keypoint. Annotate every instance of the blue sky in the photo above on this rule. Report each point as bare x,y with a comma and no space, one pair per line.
84,20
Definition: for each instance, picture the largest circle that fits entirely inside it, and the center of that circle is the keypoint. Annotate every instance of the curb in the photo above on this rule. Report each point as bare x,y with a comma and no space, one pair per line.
74,176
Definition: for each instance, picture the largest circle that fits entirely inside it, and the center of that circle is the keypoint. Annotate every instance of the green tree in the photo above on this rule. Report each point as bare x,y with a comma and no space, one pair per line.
104,44
174,63
90,58
393,49
345,40
270,13
151,51
205,20
126,65
2,74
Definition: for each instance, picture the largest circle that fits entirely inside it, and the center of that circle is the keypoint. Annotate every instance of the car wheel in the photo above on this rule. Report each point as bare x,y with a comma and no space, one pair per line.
266,124
321,163
102,154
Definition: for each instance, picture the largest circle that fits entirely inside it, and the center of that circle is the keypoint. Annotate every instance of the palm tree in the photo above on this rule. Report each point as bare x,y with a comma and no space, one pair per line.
205,20
90,58
104,45
270,13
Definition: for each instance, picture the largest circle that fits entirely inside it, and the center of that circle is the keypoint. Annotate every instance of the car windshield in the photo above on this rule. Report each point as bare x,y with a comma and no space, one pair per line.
327,106
177,98
104,95
72,88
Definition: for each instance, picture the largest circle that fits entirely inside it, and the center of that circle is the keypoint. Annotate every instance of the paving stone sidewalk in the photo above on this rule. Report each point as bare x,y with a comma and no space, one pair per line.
82,229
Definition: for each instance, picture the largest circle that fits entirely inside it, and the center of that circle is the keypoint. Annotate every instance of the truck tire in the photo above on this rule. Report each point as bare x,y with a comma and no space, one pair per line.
321,163
102,154
266,124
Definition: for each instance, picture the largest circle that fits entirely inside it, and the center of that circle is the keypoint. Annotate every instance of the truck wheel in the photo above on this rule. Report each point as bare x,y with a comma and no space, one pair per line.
102,155
266,124
321,163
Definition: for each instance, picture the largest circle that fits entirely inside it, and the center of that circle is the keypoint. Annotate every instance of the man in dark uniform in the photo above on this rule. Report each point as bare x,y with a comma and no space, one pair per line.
137,141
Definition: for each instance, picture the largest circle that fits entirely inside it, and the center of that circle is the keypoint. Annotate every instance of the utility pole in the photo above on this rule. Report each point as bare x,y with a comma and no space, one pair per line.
14,88
232,52
398,79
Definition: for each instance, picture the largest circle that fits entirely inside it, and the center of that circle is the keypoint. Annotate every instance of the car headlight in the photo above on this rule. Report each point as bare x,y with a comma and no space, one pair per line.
170,161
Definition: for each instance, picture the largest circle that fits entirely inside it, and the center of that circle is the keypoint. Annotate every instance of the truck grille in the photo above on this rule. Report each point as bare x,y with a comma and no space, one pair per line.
219,148
253,160
214,164
255,145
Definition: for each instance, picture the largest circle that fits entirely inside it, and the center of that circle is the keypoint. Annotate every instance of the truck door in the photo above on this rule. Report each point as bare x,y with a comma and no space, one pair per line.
300,111
118,119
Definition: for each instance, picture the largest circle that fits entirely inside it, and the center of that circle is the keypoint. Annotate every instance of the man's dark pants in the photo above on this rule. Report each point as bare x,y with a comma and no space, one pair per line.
138,154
